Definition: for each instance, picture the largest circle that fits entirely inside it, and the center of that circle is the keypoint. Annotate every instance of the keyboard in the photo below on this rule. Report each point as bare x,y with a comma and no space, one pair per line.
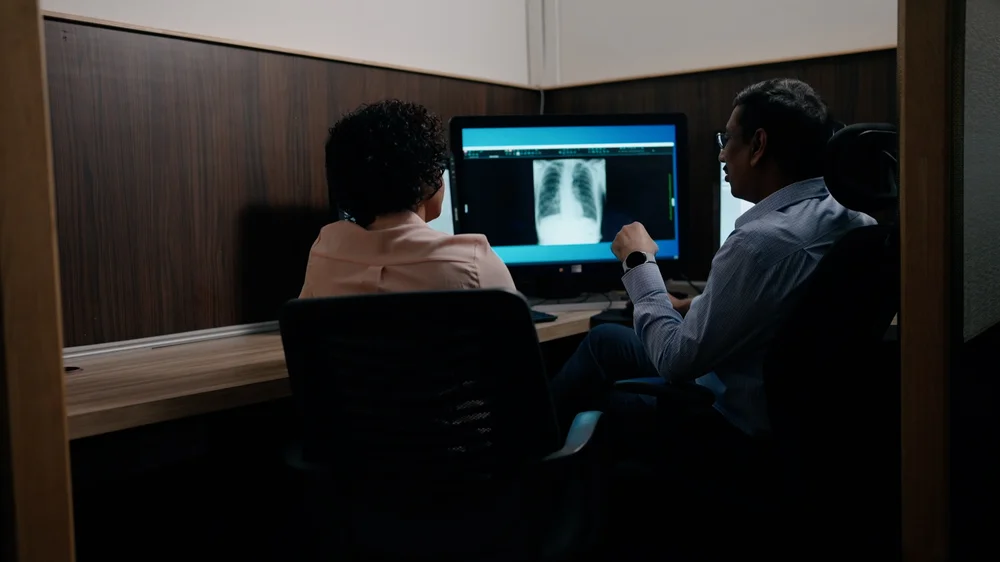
539,317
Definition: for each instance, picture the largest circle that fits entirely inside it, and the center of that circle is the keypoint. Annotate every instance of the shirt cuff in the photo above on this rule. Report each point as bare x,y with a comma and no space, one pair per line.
643,281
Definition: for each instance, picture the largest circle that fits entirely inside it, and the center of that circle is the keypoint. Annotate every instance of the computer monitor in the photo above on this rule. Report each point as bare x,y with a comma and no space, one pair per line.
730,208
555,190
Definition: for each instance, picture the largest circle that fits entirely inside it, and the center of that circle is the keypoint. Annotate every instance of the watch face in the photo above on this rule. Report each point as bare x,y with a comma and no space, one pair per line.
635,259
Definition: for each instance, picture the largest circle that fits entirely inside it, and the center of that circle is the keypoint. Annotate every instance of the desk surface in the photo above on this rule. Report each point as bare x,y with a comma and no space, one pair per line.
133,388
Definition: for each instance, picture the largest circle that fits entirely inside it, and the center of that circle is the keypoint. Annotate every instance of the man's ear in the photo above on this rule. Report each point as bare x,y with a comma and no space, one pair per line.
758,146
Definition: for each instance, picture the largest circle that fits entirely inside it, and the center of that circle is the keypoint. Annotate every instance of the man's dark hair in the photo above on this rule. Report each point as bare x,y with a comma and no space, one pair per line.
796,120
382,157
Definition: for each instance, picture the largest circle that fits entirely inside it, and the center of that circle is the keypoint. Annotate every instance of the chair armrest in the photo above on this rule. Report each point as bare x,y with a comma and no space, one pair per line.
580,433
688,393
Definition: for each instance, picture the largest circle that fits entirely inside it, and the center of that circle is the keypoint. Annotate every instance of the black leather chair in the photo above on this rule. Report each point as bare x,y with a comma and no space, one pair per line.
825,484
427,432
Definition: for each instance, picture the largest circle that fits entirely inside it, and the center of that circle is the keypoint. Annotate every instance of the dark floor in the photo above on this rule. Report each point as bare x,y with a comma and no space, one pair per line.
215,487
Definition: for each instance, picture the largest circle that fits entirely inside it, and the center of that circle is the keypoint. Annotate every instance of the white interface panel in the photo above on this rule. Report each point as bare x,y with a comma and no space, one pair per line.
730,208
444,223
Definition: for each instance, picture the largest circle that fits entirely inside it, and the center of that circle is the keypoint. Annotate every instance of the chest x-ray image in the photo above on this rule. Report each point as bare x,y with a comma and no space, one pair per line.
569,200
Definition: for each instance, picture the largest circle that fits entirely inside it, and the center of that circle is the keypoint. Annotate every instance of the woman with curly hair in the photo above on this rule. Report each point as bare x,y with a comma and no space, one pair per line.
384,166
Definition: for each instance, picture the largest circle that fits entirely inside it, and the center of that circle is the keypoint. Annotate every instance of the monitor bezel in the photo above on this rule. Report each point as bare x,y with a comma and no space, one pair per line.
599,276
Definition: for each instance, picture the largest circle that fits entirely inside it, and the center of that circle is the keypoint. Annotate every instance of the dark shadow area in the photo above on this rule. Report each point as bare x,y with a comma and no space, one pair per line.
8,531
209,487
274,250
975,447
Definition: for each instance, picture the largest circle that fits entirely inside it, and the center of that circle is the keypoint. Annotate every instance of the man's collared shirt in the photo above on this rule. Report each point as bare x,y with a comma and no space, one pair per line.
755,279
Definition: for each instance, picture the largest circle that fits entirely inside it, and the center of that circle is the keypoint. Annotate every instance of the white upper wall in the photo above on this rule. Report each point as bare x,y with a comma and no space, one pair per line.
981,168
537,42
607,40
485,39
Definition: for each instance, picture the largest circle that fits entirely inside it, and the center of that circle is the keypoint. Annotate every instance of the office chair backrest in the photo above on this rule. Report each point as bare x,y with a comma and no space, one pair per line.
395,390
862,167
813,372
849,301
829,379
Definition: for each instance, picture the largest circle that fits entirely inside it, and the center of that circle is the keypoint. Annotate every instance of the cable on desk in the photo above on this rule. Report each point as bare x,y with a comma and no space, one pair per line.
584,297
611,302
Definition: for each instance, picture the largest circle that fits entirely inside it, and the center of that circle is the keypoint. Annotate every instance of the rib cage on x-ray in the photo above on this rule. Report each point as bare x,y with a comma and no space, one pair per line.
569,200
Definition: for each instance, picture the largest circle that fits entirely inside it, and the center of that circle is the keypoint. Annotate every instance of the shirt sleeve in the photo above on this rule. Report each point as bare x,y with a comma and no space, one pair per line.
307,281
731,314
306,292
493,273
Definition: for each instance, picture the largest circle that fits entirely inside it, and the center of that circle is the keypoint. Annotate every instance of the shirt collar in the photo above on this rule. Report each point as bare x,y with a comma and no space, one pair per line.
785,197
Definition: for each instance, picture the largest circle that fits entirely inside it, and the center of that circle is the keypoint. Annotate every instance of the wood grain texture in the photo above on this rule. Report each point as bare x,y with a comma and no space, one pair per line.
49,14
927,331
170,154
36,518
858,88
134,388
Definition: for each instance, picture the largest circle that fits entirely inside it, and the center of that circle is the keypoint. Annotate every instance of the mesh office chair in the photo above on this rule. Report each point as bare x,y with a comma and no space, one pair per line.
428,432
828,477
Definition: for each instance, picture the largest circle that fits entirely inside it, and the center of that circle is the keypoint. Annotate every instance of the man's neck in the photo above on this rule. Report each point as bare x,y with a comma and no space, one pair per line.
775,185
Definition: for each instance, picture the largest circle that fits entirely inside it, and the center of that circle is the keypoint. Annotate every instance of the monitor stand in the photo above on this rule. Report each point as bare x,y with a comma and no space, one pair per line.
555,286
622,316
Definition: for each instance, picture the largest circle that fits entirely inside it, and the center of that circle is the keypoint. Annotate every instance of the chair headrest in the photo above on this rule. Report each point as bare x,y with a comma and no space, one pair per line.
862,167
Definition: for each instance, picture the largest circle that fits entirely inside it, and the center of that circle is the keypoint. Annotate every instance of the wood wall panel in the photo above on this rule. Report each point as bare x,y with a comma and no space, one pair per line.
166,150
857,88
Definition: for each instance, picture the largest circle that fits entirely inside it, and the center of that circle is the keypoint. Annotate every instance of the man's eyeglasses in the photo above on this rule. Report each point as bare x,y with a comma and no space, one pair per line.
722,139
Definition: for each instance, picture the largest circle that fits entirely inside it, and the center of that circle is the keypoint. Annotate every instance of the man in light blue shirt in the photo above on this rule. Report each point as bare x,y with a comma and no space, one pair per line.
773,150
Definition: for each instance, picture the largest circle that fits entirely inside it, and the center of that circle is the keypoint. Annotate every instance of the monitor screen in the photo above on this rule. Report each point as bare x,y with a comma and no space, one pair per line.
558,194
730,208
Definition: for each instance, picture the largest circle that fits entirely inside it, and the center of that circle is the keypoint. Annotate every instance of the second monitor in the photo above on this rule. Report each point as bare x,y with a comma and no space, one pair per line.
730,207
550,190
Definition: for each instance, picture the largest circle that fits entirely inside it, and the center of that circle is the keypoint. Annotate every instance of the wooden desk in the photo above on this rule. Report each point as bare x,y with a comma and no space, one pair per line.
133,388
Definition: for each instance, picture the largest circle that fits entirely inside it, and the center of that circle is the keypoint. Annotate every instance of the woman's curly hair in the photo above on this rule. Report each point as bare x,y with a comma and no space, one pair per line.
384,157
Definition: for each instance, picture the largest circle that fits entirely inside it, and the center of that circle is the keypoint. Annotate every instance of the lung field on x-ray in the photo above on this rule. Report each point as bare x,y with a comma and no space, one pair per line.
569,200
585,191
548,197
